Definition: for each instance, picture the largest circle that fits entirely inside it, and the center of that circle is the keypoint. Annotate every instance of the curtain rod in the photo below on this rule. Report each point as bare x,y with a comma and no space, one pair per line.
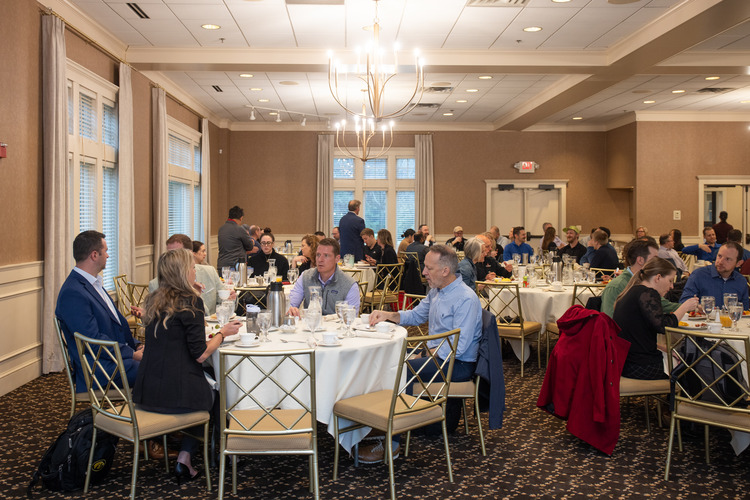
105,51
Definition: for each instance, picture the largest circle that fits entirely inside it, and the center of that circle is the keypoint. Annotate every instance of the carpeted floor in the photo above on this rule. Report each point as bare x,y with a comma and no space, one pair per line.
533,456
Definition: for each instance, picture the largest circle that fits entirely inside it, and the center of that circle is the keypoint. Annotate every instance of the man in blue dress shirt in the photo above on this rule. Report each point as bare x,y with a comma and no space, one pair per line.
450,304
518,245
722,277
706,250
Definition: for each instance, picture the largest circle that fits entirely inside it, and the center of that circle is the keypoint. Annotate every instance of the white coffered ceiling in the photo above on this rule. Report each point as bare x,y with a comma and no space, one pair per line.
594,59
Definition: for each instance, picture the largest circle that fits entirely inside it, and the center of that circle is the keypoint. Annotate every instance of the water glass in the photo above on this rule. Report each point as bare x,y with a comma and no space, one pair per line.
225,272
340,306
224,312
735,312
730,299
516,258
264,323
349,315
708,303
313,317
292,275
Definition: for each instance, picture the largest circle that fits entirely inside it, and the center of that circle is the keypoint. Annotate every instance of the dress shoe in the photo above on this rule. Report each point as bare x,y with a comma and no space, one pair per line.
375,453
182,473
156,450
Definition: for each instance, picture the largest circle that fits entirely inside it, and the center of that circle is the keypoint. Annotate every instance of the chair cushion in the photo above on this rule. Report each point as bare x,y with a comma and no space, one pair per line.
552,328
514,330
736,419
290,442
372,410
637,387
461,389
150,424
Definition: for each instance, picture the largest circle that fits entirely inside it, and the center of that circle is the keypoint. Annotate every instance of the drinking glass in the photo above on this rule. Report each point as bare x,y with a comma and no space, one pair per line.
225,272
350,314
708,303
515,270
223,313
292,275
516,258
735,312
313,318
340,306
264,323
730,299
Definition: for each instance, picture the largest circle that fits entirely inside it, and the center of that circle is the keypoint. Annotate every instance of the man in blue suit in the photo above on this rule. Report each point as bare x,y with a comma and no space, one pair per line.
84,306
350,227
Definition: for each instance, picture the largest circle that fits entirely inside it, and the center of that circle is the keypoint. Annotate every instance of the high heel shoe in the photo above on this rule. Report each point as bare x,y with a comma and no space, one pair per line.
182,473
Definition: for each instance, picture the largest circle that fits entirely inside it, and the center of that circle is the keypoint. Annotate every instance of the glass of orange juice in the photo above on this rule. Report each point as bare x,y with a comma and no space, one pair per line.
726,320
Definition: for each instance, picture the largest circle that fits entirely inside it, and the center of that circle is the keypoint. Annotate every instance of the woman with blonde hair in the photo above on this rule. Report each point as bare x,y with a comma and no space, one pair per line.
170,377
640,316
641,232
306,258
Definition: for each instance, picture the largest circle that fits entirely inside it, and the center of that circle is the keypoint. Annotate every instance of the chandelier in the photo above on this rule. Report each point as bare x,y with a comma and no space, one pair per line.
369,122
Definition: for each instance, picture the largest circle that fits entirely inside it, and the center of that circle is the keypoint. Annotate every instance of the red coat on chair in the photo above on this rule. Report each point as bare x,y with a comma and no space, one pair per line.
582,383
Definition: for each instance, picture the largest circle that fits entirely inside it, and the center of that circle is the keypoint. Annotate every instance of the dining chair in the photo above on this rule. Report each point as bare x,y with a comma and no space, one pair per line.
125,300
706,370
647,389
600,271
285,424
417,399
138,293
114,410
356,274
387,286
504,301
75,397
362,292
580,290
409,302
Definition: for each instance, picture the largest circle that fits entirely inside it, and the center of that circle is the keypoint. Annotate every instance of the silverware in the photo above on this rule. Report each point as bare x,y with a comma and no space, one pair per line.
285,341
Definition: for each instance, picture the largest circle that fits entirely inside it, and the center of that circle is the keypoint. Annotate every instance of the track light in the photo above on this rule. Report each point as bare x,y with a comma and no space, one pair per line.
278,117
252,114
304,120
328,125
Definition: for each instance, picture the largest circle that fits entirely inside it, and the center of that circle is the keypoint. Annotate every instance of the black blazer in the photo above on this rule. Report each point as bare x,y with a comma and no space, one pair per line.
169,375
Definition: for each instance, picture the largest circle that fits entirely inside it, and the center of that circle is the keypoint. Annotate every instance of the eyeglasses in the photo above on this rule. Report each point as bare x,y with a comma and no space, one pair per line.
266,243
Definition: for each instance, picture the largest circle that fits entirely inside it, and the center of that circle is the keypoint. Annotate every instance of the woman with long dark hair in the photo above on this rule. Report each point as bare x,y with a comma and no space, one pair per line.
170,377
306,258
640,316
677,237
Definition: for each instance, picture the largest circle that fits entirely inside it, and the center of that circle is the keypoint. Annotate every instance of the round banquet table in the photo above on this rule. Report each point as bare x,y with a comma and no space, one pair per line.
539,304
365,273
359,366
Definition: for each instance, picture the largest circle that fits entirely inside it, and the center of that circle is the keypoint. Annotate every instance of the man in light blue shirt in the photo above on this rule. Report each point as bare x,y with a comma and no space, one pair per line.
518,245
722,277
450,304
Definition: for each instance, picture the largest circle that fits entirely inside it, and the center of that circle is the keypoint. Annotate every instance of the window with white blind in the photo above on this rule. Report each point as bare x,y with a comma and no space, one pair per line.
184,159
93,140
384,185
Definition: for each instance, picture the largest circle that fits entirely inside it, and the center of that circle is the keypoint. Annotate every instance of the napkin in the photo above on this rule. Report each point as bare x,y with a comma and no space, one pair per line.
373,335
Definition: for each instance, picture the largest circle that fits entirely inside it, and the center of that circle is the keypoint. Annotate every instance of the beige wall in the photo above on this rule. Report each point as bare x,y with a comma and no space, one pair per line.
671,155
21,189
621,157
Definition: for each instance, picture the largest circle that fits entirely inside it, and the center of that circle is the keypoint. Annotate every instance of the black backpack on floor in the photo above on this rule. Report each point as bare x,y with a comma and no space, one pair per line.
63,466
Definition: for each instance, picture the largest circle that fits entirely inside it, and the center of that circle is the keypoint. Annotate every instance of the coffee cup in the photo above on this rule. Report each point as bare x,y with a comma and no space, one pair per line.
223,294
330,338
383,327
365,319
246,338
714,327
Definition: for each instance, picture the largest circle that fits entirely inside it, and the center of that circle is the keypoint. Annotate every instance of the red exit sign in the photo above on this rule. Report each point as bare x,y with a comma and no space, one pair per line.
526,167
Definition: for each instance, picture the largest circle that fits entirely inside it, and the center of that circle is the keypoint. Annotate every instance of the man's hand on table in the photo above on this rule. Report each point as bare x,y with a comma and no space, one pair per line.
293,311
378,316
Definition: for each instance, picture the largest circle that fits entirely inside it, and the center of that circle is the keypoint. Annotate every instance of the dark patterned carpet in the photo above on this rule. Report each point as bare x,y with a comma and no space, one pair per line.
533,456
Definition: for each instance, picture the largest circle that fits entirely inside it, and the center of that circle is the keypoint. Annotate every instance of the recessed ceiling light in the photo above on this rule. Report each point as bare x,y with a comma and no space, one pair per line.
648,102
560,1
678,91
262,100
462,101
210,26
485,77
450,113
532,29
472,90
246,75
256,89
744,102
287,82
712,77
578,118
273,113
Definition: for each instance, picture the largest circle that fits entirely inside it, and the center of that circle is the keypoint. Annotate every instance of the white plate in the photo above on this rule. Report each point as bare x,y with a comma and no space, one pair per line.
373,329
693,327
553,290
253,344
335,344
306,328
213,319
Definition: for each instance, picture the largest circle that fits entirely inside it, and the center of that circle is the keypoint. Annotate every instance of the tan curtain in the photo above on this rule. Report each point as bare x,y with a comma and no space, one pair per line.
126,178
58,254
205,185
325,184
161,191
425,184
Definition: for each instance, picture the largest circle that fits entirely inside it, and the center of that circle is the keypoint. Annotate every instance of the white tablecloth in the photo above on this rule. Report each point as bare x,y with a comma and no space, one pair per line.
366,273
358,366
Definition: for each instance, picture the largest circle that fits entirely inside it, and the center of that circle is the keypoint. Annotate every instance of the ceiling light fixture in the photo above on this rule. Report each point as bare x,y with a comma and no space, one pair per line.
532,29
744,102
252,115
472,90
648,102
256,89
678,91
560,1
462,101
376,75
273,113
485,77
449,113
712,77
578,118
277,113
210,26
278,117
262,100
304,121
245,75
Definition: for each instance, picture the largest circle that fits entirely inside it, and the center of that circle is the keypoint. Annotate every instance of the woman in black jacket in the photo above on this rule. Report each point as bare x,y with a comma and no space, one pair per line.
259,260
170,377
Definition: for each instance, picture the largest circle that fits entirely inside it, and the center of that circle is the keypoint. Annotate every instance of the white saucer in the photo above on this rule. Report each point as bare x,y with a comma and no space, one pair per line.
254,344
335,344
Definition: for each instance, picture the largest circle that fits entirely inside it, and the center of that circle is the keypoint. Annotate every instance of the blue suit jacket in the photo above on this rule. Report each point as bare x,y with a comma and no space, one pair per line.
350,226
81,309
